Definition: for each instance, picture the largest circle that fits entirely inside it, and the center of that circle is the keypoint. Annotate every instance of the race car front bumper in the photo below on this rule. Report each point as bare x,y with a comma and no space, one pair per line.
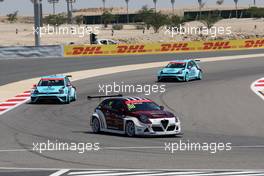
59,97
159,128
179,77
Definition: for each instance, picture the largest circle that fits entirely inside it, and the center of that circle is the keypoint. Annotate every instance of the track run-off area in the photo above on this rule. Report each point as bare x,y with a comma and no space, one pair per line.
221,108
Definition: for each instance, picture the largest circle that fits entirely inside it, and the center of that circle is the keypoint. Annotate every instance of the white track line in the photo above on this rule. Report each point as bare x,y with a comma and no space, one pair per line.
230,173
60,172
164,173
120,148
173,173
109,173
87,172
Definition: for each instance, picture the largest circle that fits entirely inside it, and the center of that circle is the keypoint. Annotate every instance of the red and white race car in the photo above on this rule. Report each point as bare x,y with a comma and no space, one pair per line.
133,116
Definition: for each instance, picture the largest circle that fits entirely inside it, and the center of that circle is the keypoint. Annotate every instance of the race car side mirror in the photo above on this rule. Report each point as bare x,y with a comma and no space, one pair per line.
34,85
162,108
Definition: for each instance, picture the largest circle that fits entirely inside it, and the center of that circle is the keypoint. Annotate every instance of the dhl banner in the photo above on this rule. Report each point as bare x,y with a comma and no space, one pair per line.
159,48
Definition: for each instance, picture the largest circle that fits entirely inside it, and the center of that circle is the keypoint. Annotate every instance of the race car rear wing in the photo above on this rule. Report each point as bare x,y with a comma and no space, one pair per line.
104,96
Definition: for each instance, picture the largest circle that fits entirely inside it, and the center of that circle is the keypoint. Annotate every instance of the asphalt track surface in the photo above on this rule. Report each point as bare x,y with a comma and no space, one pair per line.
220,108
12,70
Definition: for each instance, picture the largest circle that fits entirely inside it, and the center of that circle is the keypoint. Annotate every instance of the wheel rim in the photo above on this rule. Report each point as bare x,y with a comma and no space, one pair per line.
130,129
96,125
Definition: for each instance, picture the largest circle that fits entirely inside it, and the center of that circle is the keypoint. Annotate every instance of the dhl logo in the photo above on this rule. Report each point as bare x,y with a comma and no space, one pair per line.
131,49
87,50
254,43
216,45
174,47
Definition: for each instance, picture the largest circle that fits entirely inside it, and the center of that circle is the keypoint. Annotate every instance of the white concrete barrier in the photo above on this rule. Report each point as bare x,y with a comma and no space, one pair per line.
31,51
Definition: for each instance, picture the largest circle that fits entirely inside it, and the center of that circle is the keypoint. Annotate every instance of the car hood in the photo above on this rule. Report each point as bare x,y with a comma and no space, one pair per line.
153,114
49,89
171,70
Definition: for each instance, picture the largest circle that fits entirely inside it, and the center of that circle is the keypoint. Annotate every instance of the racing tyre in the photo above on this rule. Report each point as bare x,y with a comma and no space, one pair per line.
75,96
33,101
200,76
187,78
130,129
96,125
68,100
159,79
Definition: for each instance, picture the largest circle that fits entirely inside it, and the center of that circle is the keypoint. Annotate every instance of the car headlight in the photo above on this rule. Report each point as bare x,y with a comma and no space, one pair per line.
144,119
61,91
179,72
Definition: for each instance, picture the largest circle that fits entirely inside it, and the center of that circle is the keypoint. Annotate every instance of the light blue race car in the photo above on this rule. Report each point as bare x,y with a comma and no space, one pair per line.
182,70
54,87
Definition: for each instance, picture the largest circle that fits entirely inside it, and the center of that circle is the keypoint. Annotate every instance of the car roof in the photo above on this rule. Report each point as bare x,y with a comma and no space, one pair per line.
105,39
53,76
127,98
181,61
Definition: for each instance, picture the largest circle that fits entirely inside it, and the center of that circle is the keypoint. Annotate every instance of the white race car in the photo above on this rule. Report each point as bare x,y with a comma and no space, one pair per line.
133,116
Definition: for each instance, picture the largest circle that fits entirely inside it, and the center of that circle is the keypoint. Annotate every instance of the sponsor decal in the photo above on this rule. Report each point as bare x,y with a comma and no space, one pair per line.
90,50
174,47
131,49
254,43
216,45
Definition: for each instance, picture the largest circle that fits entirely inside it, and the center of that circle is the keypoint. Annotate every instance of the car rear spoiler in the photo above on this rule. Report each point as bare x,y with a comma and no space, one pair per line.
104,96
69,76
197,60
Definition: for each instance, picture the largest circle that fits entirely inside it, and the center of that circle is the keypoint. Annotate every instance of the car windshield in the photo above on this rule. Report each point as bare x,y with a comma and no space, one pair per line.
51,82
142,106
176,65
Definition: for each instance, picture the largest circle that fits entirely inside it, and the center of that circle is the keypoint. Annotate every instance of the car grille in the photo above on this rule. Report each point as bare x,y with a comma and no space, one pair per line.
165,123
171,128
157,129
47,98
50,93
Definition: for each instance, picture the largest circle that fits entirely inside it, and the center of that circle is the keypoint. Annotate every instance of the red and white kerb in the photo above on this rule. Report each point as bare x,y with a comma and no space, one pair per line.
258,87
14,102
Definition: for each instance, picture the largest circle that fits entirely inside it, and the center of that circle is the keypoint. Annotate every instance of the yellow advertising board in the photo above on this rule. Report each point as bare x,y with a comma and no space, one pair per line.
159,48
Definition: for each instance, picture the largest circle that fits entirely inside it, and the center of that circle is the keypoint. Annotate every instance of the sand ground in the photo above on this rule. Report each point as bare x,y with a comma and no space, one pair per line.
241,28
